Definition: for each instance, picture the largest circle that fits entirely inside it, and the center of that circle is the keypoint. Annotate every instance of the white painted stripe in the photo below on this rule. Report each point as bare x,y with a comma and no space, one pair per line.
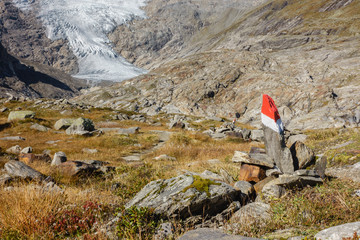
270,123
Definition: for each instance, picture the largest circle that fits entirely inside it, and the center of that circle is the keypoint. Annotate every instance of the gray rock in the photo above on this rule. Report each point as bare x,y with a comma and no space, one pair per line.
254,158
39,127
245,187
20,115
132,158
272,191
296,138
27,150
291,181
256,212
211,175
226,176
275,171
4,109
23,171
302,155
5,179
64,123
304,172
125,131
257,135
218,135
164,231
246,133
13,138
59,157
81,126
339,232
211,234
179,196
14,149
89,151
277,150
348,172
164,157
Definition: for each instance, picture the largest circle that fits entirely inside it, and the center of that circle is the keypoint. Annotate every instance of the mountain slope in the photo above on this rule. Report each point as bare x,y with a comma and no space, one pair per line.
305,55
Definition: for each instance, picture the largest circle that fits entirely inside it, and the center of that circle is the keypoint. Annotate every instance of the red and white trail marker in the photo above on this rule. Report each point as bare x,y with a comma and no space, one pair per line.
270,115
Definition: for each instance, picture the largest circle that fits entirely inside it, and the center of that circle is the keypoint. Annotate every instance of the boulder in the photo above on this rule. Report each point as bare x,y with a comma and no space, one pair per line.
20,115
59,157
339,232
302,155
348,172
64,123
184,196
23,171
277,150
211,234
39,127
251,173
81,126
14,149
252,213
125,131
257,135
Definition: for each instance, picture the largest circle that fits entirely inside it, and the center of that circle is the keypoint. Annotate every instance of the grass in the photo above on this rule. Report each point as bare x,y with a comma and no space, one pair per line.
308,210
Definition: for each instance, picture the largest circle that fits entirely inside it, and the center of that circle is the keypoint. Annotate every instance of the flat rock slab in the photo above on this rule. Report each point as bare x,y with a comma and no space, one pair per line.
251,213
290,181
184,196
13,138
211,234
349,172
253,158
21,170
339,232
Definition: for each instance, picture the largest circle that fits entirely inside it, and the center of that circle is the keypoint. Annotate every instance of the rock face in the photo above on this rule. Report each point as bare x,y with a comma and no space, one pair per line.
35,67
184,196
339,232
20,115
233,60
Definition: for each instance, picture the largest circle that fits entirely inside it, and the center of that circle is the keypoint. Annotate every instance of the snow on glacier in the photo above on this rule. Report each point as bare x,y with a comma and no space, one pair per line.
85,24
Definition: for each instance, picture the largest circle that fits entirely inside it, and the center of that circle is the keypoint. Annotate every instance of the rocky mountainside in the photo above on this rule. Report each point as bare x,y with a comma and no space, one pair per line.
303,54
31,64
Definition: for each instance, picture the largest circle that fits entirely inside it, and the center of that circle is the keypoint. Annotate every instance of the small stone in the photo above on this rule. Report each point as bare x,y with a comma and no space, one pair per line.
14,149
304,172
256,212
125,131
89,151
244,186
164,157
165,231
302,155
39,127
272,191
13,138
59,158
27,150
4,109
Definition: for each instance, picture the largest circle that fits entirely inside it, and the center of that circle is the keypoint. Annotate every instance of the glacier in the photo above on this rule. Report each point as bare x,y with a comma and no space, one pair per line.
85,24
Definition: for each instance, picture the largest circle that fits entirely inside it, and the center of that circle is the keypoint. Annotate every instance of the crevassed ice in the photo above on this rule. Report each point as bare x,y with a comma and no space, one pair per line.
85,24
